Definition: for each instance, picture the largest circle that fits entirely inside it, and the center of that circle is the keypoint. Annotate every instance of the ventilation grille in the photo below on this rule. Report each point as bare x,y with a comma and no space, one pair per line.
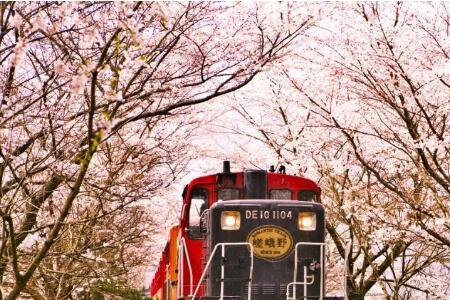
283,289
268,289
254,289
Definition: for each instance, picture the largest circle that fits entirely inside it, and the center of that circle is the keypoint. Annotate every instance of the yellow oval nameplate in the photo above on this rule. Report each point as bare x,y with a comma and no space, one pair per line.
270,242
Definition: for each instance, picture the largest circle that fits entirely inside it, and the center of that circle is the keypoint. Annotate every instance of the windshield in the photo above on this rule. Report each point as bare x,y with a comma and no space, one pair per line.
228,194
198,204
280,194
307,196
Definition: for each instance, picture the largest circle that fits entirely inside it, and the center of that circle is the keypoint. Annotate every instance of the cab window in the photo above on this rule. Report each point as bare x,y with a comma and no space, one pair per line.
280,194
306,195
198,204
228,194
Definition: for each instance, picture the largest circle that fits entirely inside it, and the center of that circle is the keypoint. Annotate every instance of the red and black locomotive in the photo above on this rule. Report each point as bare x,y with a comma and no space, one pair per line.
247,235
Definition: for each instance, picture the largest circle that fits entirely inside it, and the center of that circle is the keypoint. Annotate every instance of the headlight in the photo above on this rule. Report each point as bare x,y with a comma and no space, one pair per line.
307,221
230,220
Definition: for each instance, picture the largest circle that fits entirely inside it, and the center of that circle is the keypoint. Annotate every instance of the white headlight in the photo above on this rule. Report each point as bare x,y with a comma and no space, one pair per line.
230,220
307,221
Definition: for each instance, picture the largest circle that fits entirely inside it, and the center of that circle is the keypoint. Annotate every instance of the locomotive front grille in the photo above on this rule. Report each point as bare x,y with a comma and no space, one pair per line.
283,289
254,290
268,289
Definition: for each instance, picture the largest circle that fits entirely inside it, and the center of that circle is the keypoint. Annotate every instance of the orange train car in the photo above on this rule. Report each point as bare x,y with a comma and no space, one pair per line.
164,283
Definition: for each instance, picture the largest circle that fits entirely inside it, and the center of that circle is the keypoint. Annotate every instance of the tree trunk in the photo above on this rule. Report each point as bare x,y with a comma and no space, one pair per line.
355,295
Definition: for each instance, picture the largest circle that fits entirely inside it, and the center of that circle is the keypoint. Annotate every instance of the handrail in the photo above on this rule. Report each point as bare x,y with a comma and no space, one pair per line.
305,283
305,270
223,270
183,250
180,271
191,276
167,281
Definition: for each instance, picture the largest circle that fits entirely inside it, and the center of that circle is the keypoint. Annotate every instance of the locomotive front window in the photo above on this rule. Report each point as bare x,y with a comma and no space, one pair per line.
199,202
228,194
306,195
281,194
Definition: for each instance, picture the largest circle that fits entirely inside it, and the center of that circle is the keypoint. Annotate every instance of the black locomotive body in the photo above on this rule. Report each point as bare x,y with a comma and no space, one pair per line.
252,247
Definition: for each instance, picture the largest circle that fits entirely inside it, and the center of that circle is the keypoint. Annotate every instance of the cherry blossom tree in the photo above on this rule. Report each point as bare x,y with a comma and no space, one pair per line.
97,108
362,107
362,226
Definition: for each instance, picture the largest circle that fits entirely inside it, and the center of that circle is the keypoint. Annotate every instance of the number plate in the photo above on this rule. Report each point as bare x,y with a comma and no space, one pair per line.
268,214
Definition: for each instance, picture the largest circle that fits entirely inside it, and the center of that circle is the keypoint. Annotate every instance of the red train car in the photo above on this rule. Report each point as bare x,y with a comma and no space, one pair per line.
243,235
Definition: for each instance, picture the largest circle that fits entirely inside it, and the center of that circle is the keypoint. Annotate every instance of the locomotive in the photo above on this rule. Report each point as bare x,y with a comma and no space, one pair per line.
245,235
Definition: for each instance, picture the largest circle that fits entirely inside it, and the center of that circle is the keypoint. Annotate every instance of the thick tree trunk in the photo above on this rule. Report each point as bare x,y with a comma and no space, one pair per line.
355,295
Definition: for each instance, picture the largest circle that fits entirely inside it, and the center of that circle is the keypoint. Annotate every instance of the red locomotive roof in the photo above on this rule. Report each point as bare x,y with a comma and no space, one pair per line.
275,176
